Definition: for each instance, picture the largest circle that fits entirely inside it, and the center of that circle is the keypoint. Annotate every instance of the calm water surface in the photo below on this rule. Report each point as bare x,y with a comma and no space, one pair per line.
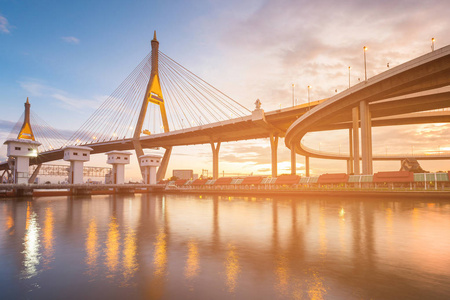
193,247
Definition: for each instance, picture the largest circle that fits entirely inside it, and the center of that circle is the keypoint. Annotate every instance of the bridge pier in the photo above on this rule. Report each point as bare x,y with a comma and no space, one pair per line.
164,163
215,150
293,160
274,148
307,166
366,138
350,147
355,119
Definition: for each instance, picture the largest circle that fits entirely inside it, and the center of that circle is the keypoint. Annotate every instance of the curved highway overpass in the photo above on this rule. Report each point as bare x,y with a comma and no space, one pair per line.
402,95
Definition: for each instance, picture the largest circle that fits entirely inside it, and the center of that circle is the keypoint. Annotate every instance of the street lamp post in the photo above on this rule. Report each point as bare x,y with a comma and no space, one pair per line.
309,101
365,69
349,68
293,86
432,44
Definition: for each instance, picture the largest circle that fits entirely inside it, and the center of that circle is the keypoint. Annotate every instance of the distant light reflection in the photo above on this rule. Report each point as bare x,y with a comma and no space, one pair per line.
160,254
112,247
48,235
192,263
232,268
91,247
31,244
130,264
10,223
282,274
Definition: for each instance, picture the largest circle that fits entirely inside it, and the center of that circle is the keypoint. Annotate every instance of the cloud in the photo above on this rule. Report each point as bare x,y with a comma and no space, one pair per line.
4,25
71,40
65,100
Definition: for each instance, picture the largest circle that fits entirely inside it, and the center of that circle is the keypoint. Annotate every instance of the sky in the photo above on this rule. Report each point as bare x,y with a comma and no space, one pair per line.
68,56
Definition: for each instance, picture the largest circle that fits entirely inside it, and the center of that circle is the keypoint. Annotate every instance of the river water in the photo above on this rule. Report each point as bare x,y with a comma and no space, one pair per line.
211,247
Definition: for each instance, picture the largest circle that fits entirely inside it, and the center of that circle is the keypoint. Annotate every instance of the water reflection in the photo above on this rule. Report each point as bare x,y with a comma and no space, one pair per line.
130,264
232,268
282,274
31,244
48,236
9,224
160,254
181,246
192,263
91,248
112,247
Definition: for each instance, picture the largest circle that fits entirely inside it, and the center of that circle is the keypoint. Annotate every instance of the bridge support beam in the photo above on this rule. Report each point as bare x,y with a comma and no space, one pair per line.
307,166
355,119
350,147
293,160
366,138
215,149
164,163
35,174
274,150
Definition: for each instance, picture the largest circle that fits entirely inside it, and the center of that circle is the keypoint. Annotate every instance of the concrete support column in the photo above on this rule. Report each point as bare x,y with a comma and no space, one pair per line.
369,130
215,150
164,163
355,119
307,166
366,138
76,155
274,149
293,160
76,172
350,147
149,163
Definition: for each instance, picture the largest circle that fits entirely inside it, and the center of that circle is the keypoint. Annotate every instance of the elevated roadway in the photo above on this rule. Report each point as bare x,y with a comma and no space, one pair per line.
391,98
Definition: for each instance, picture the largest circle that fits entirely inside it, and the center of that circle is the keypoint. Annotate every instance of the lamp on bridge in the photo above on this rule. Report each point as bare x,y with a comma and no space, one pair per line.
118,160
309,100
77,155
365,69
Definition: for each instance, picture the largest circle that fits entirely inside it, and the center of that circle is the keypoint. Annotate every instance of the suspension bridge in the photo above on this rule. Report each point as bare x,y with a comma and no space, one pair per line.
163,104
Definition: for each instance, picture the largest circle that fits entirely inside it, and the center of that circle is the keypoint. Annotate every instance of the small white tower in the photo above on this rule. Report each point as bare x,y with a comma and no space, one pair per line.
21,150
77,155
148,163
118,160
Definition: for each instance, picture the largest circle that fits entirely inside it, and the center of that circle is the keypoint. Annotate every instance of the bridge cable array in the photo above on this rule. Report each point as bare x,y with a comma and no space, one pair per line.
189,101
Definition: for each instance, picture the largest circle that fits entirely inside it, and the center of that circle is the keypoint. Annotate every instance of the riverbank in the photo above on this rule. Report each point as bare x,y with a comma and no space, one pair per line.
353,193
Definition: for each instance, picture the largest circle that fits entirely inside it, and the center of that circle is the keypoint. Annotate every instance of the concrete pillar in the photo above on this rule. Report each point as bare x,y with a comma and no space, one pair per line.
355,119
369,130
293,160
21,150
215,151
76,155
149,163
274,148
164,163
307,166
350,147
118,160
366,138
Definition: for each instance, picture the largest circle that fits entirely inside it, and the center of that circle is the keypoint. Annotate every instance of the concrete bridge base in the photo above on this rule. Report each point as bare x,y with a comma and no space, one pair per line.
23,192
81,191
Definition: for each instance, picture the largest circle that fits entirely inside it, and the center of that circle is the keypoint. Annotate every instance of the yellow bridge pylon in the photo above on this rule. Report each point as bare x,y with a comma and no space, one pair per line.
154,95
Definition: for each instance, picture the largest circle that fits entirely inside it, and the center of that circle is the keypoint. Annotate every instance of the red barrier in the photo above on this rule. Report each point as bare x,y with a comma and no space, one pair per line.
394,176
287,180
223,181
199,182
252,180
333,178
